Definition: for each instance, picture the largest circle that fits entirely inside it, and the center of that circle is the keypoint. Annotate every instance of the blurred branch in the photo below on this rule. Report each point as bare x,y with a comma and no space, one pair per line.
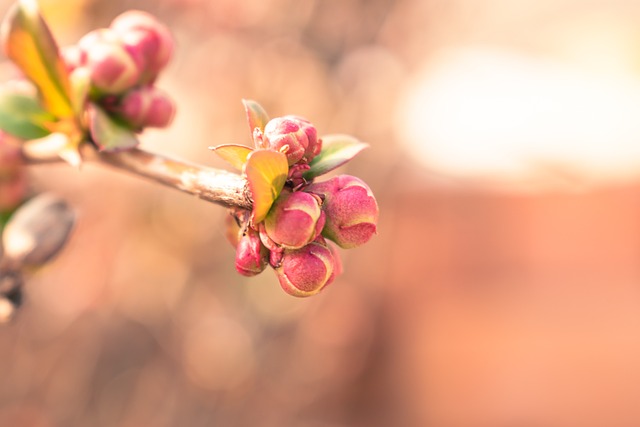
213,185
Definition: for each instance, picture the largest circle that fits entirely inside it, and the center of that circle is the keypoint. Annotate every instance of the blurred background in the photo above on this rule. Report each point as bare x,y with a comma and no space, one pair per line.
503,288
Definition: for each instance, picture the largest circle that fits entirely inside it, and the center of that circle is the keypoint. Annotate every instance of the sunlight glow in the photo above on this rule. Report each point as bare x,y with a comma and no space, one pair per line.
506,116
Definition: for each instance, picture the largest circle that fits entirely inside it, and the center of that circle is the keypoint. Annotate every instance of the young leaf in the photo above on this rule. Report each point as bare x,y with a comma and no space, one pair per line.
235,155
336,151
107,134
256,115
28,42
22,115
266,171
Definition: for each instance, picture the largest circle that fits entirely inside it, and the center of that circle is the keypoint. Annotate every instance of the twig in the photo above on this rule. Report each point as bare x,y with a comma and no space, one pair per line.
213,185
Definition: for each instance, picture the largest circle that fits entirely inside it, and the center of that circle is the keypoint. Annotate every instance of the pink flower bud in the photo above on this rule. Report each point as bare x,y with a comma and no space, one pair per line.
147,107
351,209
294,220
147,40
111,68
251,255
294,136
306,271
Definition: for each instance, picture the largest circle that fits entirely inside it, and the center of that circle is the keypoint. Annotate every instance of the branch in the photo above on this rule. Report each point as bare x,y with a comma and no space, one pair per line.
213,185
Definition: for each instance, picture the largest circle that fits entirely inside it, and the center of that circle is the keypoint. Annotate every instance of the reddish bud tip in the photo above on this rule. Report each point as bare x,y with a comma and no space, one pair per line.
306,271
351,209
295,136
251,255
294,220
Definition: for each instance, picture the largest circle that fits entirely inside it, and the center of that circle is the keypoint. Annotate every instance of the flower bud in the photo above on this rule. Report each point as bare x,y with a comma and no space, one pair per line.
111,67
147,107
251,255
294,220
147,41
306,271
294,136
351,209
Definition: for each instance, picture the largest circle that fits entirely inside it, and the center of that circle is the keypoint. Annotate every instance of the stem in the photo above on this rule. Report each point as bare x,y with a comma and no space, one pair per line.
213,185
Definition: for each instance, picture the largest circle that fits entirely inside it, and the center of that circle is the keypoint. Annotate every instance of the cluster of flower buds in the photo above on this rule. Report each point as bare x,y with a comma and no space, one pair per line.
293,237
123,63
34,234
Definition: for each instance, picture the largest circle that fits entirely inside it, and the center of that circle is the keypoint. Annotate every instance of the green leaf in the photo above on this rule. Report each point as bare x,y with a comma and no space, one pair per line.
28,42
257,117
108,134
234,154
22,115
266,171
336,151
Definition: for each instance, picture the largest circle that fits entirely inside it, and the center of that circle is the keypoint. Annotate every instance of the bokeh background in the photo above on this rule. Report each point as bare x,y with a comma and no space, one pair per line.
503,288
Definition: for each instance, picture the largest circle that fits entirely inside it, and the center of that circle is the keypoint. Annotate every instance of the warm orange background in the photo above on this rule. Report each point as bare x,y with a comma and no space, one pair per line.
502,290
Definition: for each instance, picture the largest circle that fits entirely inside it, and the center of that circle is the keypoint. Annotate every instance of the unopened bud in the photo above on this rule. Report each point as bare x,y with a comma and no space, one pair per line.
294,136
351,209
147,40
306,271
294,220
251,255
147,106
111,68
37,231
